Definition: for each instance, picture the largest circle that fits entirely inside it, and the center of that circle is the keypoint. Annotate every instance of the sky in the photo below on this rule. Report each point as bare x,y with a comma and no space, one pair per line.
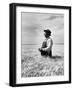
34,24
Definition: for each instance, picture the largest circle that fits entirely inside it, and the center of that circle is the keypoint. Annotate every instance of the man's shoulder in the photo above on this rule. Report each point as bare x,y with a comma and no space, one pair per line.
50,39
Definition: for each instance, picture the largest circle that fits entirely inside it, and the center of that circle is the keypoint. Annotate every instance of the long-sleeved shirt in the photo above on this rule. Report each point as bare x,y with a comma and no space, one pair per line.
47,44
46,49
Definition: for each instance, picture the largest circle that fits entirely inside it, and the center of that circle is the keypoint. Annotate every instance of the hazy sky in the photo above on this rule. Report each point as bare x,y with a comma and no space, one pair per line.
33,25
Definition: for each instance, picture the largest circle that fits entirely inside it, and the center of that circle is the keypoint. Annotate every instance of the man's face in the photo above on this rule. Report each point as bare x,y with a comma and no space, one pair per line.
46,35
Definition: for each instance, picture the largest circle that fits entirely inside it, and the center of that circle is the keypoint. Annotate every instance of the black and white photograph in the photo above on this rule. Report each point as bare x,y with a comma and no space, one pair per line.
40,44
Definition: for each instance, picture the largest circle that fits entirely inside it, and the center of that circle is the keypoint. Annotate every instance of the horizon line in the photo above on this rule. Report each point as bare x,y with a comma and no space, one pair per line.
39,44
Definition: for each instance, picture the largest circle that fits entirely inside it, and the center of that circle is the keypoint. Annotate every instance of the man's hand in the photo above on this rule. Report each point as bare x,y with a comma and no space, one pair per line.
41,49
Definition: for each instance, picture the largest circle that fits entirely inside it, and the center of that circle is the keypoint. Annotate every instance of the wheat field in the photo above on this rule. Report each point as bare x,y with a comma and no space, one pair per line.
35,65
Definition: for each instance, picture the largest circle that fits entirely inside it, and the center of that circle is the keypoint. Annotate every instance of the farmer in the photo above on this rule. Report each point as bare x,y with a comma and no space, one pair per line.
46,49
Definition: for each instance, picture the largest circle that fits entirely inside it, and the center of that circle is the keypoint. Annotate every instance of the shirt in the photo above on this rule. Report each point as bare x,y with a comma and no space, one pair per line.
47,44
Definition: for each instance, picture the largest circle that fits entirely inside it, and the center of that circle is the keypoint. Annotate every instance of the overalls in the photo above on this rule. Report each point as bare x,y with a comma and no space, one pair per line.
45,53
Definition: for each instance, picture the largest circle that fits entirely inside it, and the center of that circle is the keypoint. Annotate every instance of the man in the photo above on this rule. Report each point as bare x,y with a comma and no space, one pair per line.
46,49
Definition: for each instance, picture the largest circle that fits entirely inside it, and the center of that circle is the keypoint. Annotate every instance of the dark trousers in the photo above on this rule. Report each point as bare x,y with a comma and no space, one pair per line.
45,53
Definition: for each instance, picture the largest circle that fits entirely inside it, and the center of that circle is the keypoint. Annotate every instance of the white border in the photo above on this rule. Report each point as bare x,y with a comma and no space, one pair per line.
20,80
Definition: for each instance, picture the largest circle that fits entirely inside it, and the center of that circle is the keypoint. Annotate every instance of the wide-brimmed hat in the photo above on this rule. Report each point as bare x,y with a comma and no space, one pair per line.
47,31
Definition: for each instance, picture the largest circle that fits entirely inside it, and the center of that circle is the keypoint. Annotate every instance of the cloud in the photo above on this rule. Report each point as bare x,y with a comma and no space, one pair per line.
53,17
31,27
61,26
